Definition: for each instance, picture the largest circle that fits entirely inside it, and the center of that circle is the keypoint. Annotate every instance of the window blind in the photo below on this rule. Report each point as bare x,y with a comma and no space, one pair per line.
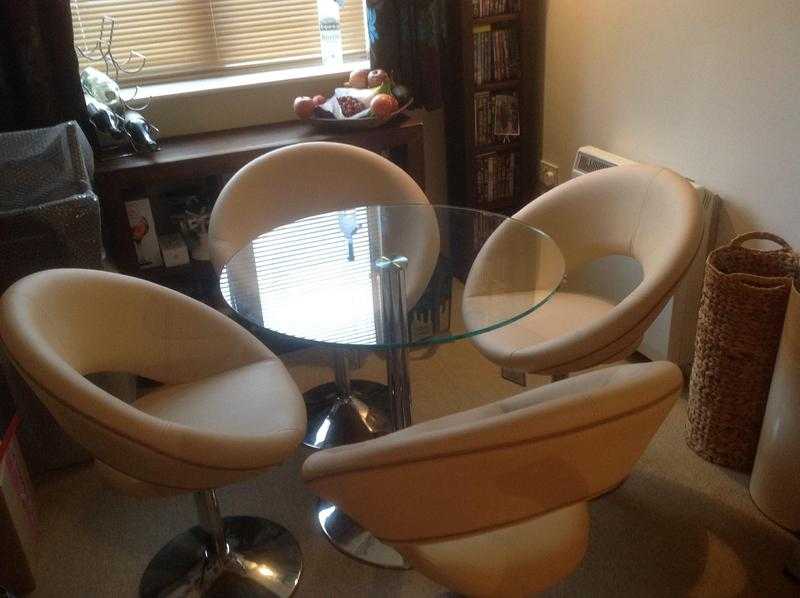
293,264
185,39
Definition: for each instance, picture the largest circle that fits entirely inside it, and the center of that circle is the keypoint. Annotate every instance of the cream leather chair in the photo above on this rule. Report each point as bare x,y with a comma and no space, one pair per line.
493,501
648,213
308,179
226,410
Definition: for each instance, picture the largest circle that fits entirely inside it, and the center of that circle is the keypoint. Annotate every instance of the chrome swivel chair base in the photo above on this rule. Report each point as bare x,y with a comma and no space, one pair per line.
335,420
250,558
354,541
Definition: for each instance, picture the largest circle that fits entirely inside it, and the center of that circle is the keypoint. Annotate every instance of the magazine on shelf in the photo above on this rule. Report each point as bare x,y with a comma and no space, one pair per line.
496,117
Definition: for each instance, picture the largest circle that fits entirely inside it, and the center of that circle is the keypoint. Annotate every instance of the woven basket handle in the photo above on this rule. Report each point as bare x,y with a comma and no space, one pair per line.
760,235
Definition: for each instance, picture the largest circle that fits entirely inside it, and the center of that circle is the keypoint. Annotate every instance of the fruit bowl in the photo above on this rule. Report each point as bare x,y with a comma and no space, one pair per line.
354,124
368,99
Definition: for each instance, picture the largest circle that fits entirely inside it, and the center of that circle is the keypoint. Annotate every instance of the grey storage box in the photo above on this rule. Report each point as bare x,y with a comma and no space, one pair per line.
49,218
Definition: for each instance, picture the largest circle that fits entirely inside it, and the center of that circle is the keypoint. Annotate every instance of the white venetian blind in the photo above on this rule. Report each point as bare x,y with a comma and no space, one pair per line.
305,284
184,39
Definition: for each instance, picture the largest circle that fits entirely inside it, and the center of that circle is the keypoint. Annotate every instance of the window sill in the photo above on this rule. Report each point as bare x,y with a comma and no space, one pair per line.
246,81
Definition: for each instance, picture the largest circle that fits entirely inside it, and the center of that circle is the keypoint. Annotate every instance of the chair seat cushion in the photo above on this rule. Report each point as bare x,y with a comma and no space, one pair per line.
563,314
256,401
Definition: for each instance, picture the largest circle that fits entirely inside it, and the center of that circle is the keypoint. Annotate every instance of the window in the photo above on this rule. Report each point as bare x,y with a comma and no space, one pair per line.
293,262
190,39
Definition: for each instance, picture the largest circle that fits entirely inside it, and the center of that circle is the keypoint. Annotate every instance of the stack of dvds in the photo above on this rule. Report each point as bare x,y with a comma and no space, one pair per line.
495,178
496,55
488,8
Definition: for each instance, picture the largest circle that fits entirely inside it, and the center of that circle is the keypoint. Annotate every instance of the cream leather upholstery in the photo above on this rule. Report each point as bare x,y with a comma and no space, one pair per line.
227,409
648,213
315,177
312,178
492,501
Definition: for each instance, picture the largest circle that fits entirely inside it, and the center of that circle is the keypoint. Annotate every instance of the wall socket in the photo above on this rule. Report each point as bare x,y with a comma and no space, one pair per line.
548,174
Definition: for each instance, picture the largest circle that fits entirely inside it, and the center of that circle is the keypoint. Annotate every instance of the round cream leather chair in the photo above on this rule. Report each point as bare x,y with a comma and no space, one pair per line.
648,213
226,410
493,501
312,178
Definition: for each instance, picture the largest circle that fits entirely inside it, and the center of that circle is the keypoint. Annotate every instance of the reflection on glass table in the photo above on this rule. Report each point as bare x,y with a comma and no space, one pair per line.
381,277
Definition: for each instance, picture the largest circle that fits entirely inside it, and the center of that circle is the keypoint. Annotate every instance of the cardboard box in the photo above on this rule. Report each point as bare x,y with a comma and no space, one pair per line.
173,250
18,525
143,232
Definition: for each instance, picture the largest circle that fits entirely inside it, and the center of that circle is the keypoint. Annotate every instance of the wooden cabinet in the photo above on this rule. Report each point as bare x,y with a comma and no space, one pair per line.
199,165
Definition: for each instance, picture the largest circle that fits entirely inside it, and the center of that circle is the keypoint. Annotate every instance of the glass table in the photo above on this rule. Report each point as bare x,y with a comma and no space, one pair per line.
386,278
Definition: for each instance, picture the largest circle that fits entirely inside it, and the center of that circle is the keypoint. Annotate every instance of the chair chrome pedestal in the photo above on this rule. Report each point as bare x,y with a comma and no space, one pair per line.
345,411
237,557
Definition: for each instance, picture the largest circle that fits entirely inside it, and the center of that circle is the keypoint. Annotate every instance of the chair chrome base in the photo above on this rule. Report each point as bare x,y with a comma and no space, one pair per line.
354,541
260,559
335,420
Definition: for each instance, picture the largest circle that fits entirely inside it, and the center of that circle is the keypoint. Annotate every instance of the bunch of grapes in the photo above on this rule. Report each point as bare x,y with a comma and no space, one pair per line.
350,105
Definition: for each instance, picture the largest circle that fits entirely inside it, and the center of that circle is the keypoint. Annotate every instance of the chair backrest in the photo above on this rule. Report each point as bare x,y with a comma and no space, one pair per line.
648,213
298,181
503,463
58,325
645,212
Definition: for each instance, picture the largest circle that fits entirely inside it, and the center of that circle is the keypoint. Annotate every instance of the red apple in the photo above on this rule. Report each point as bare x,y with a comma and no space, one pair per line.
304,107
384,105
319,100
358,78
376,77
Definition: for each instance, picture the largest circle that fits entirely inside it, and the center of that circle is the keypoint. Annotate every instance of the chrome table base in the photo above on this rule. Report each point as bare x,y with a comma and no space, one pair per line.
258,559
344,533
334,420
351,539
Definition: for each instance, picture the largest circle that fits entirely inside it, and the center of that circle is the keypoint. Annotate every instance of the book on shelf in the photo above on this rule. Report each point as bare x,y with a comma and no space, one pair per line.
495,55
488,8
495,175
496,117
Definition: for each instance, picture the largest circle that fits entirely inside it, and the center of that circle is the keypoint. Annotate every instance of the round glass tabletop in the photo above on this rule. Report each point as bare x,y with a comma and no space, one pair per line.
323,278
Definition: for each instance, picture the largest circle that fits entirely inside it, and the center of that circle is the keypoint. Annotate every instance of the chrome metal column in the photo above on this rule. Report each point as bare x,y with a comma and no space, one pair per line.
392,272
247,557
343,532
211,521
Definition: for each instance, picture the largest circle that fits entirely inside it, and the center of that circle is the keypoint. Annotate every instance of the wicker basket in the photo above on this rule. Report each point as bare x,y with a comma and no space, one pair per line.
742,308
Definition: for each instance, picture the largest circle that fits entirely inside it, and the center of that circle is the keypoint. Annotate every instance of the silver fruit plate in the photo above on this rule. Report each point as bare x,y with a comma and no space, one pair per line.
365,122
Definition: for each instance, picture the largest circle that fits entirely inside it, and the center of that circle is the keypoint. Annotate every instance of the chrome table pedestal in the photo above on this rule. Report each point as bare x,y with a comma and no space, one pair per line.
344,533
234,557
345,411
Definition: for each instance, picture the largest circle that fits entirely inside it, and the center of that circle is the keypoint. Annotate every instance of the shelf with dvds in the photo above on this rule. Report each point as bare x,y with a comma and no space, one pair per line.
493,111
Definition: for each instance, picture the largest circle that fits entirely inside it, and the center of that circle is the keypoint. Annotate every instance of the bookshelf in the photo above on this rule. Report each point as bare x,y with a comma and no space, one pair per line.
493,107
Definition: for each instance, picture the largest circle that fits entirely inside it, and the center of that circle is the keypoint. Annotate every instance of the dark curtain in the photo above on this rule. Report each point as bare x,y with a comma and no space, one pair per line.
39,81
407,39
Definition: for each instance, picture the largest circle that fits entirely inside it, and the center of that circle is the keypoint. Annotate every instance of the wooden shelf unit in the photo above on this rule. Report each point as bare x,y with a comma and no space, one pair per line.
202,163
527,26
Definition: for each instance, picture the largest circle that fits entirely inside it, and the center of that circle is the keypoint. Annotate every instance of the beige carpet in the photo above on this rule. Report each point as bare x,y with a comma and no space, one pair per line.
678,527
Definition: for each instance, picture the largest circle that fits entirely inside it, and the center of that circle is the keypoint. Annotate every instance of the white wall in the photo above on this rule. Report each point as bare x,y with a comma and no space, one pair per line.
710,88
